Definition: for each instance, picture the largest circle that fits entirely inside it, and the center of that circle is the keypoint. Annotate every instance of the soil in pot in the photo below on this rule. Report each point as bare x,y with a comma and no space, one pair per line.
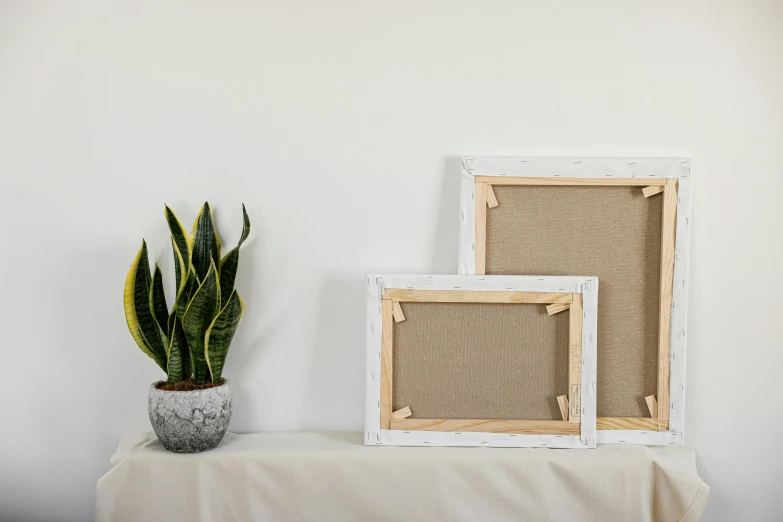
188,385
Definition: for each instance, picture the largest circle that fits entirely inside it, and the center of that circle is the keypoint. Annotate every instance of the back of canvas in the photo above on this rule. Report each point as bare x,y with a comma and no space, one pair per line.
480,361
610,232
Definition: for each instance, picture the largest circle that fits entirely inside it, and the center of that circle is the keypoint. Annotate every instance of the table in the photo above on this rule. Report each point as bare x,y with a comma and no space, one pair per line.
333,476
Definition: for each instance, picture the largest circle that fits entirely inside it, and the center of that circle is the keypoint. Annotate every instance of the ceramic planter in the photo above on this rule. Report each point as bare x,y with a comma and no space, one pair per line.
190,421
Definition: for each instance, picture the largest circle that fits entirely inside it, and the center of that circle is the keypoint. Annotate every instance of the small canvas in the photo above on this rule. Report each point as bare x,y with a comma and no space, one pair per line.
481,361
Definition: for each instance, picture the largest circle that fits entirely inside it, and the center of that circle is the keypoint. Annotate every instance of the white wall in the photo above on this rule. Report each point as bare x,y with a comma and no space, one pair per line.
334,122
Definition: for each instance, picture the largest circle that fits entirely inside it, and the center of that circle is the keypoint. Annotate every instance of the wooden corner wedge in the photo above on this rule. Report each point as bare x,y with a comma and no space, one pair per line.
402,414
652,405
562,401
555,308
397,312
652,190
492,202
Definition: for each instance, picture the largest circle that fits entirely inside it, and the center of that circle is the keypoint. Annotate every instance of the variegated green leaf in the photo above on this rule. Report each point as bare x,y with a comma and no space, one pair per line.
202,310
179,357
230,263
189,287
179,235
160,310
170,322
179,265
186,293
138,313
206,243
221,332
187,359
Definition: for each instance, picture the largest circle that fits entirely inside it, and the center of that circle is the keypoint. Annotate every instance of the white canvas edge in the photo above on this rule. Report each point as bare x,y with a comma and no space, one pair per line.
679,168
577,167
587,286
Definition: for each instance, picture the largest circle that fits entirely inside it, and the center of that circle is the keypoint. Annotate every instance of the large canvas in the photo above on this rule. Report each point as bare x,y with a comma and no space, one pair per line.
624,220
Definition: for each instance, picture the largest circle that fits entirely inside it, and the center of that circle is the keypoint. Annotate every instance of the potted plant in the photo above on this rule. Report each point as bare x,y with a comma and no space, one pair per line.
191,409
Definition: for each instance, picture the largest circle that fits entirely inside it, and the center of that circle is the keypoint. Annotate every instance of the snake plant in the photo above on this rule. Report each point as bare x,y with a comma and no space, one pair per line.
193,338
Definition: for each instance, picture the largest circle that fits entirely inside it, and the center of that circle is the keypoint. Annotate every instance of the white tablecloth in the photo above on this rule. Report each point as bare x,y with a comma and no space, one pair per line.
333,476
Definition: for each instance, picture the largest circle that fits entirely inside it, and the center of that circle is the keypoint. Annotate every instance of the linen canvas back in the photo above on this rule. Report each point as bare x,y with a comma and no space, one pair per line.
612,232
480,361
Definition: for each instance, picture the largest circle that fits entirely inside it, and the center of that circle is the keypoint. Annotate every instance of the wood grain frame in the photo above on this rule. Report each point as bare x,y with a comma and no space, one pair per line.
570,426
669,189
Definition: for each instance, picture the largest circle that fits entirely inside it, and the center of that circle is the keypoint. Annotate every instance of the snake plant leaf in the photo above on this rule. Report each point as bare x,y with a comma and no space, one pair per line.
180,244
179,357
189,287
230,263
187,359
180,267
178,234
202,310
206,243
158,305
138,313
221,332
170,322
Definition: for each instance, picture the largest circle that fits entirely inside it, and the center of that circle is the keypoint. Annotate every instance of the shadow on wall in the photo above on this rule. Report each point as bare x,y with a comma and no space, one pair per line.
444,253
336,391
264,319
336,385
101,380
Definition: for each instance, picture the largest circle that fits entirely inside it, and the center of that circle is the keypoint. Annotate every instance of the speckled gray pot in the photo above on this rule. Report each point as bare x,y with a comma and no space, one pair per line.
190,421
